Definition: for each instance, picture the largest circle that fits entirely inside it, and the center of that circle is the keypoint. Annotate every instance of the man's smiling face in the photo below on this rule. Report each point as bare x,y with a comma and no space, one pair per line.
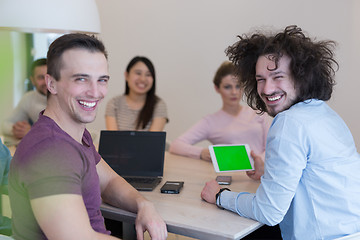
275,86
82,85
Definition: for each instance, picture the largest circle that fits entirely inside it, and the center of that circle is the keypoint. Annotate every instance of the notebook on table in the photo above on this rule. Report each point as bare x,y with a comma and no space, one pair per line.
137,156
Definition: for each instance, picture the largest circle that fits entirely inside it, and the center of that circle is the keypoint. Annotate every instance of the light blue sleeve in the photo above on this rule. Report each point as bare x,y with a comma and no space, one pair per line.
240,203
5,158
286,157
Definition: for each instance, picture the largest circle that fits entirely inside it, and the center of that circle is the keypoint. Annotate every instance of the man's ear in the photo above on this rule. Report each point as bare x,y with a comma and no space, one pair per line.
32,80
51,84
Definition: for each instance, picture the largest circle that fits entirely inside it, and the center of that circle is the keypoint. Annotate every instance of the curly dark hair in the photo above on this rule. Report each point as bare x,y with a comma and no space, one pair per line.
312,63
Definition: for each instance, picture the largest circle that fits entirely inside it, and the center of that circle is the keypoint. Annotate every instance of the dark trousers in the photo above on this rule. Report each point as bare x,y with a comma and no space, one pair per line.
265,233
115,227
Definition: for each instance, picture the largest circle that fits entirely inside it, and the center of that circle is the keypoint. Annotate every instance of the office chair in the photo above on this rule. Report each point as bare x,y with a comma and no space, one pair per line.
5,222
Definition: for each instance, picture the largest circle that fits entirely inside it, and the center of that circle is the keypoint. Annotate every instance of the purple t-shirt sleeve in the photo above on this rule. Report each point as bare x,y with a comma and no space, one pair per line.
49,162
56,168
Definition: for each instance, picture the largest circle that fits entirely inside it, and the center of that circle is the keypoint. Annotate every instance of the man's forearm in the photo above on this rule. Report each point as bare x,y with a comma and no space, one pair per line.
121,194
6,128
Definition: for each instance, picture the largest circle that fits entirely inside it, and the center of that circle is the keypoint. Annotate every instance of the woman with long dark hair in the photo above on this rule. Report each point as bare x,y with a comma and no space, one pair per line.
139,108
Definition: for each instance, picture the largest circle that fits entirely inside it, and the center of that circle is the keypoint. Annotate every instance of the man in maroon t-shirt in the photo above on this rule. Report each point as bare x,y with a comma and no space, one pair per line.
57,179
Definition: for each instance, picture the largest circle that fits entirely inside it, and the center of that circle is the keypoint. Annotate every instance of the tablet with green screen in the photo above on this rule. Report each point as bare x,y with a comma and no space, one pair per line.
231,158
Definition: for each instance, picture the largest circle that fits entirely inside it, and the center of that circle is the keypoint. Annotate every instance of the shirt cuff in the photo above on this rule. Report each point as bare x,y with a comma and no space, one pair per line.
240,203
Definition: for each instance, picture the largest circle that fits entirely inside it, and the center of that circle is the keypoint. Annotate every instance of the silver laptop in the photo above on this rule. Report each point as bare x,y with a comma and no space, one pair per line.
137,156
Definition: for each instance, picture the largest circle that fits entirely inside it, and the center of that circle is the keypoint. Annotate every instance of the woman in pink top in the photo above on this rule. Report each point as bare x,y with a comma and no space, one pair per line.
232,124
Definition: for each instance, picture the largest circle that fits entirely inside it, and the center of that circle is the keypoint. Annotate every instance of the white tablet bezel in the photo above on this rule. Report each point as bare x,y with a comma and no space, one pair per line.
215,161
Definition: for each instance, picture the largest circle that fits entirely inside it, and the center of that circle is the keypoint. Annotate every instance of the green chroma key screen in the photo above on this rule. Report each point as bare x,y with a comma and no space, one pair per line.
232,158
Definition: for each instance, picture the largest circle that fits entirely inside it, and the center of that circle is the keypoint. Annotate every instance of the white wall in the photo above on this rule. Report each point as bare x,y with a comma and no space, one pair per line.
186,42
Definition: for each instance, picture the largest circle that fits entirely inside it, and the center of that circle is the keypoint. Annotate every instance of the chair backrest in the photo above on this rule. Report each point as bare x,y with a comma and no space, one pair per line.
5,209
5,222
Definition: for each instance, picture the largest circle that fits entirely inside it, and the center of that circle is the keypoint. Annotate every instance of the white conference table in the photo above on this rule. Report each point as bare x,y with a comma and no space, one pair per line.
186,213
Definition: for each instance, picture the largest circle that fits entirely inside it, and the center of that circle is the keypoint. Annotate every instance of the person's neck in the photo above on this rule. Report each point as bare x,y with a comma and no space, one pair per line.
136,101
65,122
39,92
232,110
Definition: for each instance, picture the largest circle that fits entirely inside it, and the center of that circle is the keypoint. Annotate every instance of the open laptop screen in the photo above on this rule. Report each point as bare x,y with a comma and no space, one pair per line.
134,153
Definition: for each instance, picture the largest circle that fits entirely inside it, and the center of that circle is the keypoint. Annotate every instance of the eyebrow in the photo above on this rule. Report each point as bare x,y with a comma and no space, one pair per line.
87,75
80,75
272,73
141,70
277,72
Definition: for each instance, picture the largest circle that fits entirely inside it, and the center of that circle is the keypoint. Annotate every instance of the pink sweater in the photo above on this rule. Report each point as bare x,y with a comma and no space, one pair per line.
222,128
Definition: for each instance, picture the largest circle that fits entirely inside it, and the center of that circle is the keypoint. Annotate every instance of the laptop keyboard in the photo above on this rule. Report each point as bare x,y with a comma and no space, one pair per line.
139,180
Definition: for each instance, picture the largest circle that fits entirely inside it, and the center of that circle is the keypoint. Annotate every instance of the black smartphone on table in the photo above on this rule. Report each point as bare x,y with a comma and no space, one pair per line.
172,187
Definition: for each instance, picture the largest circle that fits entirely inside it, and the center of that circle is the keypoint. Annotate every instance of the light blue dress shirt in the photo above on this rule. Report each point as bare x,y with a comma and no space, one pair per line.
311,183
5,158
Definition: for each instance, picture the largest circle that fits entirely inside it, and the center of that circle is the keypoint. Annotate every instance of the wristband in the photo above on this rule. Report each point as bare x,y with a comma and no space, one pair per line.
218,196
